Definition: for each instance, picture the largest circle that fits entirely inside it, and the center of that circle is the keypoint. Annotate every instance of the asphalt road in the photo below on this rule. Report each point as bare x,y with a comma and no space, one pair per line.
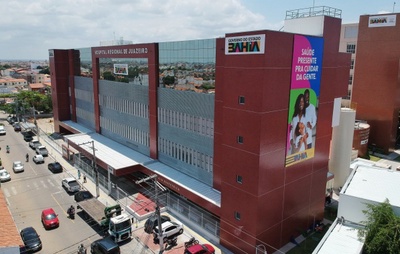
35,189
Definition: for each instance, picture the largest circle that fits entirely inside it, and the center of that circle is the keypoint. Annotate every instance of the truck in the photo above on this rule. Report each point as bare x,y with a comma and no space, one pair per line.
119,224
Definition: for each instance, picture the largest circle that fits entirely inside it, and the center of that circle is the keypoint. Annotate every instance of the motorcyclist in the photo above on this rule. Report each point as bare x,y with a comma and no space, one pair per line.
81,249
71,212
27,157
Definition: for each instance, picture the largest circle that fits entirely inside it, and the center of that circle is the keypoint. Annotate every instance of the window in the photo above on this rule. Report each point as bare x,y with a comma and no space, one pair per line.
351,48
350,79
240,139
237,215
239,179
241,99
352,64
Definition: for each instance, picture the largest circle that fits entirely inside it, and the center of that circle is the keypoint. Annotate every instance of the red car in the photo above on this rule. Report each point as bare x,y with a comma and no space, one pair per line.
50,218
200,249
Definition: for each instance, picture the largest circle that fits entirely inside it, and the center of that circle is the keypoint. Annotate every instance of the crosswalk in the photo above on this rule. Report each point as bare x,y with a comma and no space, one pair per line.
31,185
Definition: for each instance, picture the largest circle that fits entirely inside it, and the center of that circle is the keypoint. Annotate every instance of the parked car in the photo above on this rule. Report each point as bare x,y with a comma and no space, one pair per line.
2,130
50,218
28,137
104,246
31,239
200,249
82,195
70,184
4,175
38,158
169,229
18,167
152,222
17,127
34,143
42,150
55,167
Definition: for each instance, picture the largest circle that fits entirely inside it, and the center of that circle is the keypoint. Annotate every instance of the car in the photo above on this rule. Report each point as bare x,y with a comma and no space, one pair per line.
18,167
70,184
4,175
82,195
152,222
169,229
17,127
55,167
34,143
42,150
38,158
200,249
104,246
31,239
28,137
50,218
2,130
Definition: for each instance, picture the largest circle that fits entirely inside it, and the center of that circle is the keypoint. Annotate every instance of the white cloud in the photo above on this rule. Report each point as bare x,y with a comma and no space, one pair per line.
30,28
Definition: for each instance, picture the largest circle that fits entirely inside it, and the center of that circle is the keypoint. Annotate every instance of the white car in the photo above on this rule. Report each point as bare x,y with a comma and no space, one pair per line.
70,184
18,167
38,158
42,150
2,130
169,228
4,175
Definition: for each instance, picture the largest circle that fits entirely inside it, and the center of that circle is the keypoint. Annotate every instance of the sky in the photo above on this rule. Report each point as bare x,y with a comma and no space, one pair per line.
28,29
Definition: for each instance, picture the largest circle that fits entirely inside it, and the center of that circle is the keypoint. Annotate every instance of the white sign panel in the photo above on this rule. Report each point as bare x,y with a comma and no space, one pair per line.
244,45
382,21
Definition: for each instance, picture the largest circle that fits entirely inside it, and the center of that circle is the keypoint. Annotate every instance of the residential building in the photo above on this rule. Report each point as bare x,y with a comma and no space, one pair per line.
215,120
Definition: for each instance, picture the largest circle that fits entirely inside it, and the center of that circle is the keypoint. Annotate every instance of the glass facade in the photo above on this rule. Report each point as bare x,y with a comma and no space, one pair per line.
86,61
188,65
128,70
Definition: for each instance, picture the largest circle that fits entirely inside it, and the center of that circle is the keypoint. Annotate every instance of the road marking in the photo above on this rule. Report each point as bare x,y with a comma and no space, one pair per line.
44,184
51,182
36,185
14,190
6,192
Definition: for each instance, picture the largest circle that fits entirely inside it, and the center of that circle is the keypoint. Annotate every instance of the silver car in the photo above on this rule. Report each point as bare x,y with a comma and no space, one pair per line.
4,175
18,166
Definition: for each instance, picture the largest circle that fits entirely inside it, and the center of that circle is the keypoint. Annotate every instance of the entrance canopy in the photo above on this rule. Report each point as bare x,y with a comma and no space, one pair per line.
110,152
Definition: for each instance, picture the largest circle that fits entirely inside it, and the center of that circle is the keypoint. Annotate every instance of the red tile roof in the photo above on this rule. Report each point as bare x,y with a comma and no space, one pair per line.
9,235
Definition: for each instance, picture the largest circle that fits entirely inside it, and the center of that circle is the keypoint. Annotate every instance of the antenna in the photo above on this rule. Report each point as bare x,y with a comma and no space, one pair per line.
394,3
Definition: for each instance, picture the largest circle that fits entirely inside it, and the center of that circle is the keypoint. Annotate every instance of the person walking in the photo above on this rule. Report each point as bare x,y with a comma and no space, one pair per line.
84,178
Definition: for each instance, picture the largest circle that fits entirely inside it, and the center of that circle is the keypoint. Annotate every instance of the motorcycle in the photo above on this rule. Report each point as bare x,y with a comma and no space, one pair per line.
8,149
81,249
192,241
71,212
27,157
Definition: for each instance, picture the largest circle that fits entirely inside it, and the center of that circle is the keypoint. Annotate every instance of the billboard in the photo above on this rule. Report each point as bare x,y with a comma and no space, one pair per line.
120,69
303,99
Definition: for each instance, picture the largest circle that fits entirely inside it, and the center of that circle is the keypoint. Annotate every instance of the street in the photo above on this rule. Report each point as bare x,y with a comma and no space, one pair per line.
37,188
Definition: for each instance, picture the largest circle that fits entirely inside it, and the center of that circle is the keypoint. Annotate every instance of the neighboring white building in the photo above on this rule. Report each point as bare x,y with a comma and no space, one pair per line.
369,183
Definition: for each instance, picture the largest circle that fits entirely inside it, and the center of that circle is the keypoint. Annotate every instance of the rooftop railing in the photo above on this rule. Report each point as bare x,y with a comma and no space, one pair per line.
314,11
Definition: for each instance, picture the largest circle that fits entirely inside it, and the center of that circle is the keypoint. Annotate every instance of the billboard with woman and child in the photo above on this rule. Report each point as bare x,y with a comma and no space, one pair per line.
303,100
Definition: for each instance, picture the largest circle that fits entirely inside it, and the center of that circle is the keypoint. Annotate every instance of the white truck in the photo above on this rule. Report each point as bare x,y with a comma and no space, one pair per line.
119,224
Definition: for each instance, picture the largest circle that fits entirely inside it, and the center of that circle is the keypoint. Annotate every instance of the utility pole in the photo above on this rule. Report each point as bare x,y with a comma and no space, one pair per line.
94,165
158,212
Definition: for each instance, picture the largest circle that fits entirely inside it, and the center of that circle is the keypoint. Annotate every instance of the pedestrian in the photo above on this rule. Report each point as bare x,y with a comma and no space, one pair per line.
84,178
79,174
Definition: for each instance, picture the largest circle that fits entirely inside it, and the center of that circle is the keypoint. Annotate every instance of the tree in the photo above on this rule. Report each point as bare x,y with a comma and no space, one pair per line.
382,229
168,80
44,70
